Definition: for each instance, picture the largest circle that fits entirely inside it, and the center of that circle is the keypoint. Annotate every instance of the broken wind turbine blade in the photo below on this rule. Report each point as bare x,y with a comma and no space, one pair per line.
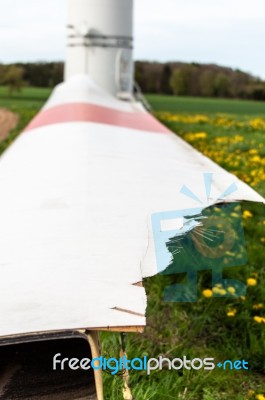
78,191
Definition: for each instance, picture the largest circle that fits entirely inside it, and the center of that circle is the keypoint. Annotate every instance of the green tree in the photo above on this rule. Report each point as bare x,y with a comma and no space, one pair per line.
179,82
206,82
3,69
184,80
13,78
221,85
165,79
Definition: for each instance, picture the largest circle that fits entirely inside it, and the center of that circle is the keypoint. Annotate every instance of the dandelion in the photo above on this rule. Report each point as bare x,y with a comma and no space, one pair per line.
259,320
219,290
231,313
207,293
238,138
216,209
234,215
195,136
231,290
257,306
260,397
253,151
247,214
255,159
221,140
216,290
251,282
257,123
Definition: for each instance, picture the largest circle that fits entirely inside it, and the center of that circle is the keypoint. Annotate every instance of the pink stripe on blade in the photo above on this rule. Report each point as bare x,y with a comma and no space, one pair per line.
84,112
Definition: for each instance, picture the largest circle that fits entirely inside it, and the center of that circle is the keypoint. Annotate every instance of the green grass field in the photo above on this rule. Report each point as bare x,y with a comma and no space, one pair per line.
25,103
232,133
206,105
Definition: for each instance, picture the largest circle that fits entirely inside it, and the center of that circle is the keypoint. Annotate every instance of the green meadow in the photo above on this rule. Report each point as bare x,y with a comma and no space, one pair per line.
205,105
26,104
232,133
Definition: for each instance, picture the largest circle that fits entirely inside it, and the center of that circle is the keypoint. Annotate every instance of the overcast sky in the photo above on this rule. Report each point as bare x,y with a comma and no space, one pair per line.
227,32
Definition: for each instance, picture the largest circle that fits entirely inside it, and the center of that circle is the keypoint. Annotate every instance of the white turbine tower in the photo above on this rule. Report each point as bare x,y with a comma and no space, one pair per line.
100,43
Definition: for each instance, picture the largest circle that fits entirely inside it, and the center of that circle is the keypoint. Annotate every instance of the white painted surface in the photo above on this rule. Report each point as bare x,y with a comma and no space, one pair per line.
82,89
111,67
75,204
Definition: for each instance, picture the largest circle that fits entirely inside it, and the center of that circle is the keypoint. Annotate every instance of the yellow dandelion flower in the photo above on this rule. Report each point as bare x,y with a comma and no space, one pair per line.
247,214
257,123
201,135
238,138
216,290
195,136
219,290
251,282
234,215
207,293
231,290
255,159
260,397
259,319
216,209
257,306
231,313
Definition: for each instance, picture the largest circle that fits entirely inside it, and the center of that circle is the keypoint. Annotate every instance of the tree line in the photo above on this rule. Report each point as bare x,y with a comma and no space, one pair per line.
193,79
172,78
40,74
